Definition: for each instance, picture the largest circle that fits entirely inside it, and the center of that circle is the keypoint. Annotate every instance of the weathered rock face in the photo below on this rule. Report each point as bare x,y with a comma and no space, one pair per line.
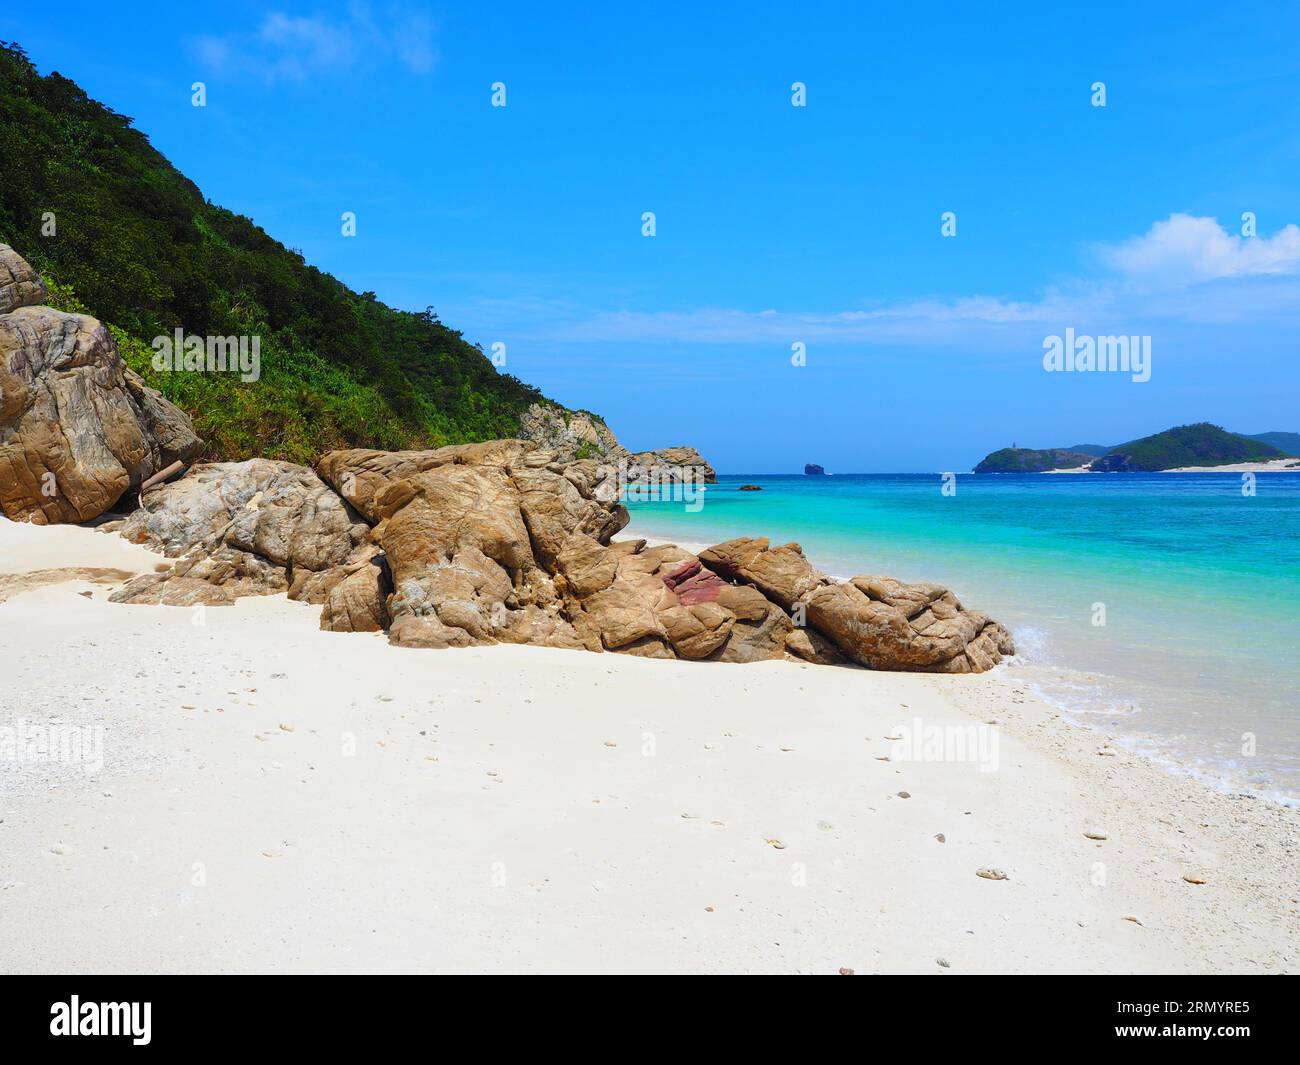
780,573
279,510
243,528
661,602
885,624
77,428
504,543
20,285
354,595
357,474
471,539
875,621
575,435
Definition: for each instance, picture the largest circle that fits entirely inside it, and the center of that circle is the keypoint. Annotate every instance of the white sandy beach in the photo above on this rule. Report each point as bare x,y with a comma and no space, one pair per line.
1287,465
275,798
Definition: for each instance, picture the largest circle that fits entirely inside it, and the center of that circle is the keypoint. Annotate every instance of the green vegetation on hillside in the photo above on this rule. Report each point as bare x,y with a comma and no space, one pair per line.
1030,460
1201,444
137,246
1286,442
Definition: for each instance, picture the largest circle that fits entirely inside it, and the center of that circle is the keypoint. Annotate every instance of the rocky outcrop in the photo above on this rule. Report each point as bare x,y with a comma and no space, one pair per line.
660,602
353,595
875,621
572,435
78,429
885,624
780,573
462,560
504,543
243,528
20,285
357,474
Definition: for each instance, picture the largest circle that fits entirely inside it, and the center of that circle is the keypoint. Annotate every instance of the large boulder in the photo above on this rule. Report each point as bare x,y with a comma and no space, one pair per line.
358,474
554,506
353,595
78,429
661,602
279,510
20,285
875,621
885,624
462,559
246,528
470,535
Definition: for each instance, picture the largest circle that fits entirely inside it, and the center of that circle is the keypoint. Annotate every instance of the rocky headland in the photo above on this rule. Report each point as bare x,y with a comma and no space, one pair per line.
573,435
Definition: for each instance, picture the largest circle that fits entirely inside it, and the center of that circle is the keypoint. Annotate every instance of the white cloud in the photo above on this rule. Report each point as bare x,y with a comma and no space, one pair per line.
1184,249
294,47
1184,271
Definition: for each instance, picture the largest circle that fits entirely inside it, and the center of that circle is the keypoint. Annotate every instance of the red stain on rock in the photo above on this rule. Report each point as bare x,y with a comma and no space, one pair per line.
691,583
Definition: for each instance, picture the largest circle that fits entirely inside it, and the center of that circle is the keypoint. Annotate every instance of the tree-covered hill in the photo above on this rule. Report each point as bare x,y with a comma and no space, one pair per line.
1288,443
1031,460
1201,444
137,245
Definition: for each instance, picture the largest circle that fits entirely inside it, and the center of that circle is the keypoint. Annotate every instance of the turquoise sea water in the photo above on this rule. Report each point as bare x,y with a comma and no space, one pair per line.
1200,586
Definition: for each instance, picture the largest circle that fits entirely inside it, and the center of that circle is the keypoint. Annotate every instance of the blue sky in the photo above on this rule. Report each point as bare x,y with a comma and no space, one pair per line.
775,224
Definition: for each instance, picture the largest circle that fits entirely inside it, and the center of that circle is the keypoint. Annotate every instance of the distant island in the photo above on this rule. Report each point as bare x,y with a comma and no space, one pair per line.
1188,445
1200,445
1031,460
812,469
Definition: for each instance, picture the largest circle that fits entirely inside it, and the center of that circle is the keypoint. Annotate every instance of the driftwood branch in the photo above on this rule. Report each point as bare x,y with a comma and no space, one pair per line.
162,475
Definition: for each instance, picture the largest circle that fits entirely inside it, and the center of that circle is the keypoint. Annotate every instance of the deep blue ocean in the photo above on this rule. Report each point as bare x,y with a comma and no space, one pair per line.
1197,583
